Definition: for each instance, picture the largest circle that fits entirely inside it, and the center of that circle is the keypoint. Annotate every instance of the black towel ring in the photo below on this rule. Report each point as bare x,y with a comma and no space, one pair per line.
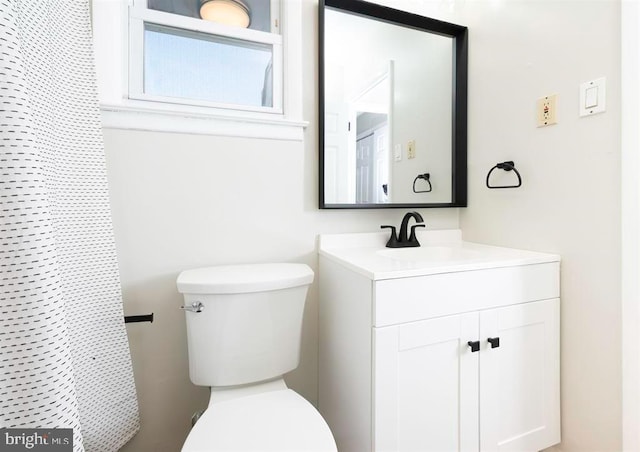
426,177
507,166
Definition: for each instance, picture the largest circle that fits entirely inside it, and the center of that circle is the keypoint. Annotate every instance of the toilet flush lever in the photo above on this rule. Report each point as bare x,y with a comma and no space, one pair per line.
196,306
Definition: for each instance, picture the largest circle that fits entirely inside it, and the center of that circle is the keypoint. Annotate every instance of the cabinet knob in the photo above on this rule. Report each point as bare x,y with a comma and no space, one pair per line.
475,345
494,341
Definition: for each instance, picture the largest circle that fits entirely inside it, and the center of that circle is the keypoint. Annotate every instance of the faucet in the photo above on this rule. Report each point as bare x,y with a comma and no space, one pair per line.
402,241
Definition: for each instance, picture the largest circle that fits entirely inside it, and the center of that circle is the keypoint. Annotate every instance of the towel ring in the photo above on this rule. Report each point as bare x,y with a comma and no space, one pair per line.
507,166
426,177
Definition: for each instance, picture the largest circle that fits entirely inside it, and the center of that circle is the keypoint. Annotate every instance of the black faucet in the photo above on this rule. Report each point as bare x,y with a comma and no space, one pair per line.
402,241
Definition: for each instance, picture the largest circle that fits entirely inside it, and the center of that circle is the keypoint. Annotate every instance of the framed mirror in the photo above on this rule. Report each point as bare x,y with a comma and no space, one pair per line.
393,108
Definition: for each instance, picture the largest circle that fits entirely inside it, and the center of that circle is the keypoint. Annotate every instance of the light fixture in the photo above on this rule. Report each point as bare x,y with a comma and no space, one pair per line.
227,12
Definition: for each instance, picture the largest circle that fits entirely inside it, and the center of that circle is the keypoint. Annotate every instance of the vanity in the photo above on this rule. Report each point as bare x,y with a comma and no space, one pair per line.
450,346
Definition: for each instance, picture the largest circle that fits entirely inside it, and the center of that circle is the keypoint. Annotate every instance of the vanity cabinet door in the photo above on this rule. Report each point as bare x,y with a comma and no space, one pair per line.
426,385
519,377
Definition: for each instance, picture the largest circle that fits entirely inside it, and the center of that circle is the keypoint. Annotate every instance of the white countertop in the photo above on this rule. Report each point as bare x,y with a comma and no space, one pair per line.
441,251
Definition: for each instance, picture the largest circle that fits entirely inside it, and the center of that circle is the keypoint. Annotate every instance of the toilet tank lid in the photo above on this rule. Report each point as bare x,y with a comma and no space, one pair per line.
229,279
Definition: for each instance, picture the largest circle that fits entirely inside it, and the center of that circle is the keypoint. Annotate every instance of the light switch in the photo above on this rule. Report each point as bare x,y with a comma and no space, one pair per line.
397,152
592,97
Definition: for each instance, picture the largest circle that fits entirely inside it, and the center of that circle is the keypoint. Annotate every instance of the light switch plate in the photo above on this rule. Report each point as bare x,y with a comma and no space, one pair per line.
397,152
593,96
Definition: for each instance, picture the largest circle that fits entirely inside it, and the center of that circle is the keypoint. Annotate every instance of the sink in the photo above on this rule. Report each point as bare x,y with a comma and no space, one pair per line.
429,253
442,251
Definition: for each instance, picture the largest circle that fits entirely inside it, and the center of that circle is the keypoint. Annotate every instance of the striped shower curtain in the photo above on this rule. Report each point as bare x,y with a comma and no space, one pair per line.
64,355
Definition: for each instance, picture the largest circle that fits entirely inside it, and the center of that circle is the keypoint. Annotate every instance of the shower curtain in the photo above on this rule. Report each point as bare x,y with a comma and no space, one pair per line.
64,355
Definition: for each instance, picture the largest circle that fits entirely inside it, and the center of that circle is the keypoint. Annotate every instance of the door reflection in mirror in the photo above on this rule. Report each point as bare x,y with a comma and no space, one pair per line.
366,144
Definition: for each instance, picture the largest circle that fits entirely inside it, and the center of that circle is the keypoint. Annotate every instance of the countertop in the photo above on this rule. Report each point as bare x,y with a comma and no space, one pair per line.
441,251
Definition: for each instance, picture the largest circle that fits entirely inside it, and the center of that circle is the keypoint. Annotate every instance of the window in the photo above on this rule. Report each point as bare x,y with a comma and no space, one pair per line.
164,60
177,57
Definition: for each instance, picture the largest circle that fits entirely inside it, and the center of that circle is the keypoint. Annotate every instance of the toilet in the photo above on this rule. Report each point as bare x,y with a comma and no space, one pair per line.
244,326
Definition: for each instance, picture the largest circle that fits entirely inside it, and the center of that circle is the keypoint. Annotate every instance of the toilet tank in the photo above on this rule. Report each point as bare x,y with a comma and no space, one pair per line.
250,324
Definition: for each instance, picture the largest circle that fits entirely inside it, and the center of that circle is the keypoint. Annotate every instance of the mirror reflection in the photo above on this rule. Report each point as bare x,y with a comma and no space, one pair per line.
388,112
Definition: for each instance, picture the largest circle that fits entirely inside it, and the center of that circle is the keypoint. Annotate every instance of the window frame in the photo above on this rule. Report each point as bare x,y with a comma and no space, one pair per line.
139,14
123,108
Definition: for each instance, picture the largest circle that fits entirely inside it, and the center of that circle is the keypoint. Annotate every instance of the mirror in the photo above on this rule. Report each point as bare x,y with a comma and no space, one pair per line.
393,108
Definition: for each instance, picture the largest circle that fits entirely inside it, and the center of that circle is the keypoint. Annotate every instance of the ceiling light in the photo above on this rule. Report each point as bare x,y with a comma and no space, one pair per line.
227,12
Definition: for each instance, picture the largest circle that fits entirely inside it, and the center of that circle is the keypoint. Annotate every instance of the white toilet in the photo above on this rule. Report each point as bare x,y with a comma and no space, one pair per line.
243,331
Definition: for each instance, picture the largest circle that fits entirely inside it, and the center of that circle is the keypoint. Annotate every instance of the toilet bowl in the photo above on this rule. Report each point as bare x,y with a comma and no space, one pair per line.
275,420
243,332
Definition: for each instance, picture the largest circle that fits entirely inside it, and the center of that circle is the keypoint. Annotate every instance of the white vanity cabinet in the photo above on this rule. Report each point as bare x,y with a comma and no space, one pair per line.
433,393
438,360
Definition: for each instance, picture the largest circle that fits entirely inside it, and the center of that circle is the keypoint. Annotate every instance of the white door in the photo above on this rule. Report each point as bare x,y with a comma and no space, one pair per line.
426,386
365,169
381,158
520,377
337,180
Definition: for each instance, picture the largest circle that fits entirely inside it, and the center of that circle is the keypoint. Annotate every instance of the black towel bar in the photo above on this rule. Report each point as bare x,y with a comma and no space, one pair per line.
139,318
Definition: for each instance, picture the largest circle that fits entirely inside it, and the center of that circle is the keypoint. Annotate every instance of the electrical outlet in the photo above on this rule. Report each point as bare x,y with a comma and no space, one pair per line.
546,110
411,149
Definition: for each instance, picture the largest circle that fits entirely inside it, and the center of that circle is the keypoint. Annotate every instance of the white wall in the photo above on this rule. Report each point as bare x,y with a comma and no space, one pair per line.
569,202
182,201
630,201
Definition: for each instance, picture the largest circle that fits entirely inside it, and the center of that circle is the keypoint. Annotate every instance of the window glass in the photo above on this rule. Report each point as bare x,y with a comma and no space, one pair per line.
192,65
259,10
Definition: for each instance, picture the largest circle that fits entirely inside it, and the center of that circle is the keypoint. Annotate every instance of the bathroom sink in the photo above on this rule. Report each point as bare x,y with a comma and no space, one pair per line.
441,251
428,253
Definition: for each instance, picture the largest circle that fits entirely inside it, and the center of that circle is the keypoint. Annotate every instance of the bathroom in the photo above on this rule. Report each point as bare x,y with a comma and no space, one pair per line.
183,198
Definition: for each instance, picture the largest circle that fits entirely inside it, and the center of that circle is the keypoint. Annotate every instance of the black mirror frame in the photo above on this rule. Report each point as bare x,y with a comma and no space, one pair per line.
459,96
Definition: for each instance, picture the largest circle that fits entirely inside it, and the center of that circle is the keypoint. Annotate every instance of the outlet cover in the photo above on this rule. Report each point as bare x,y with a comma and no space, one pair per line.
411,149
546,111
